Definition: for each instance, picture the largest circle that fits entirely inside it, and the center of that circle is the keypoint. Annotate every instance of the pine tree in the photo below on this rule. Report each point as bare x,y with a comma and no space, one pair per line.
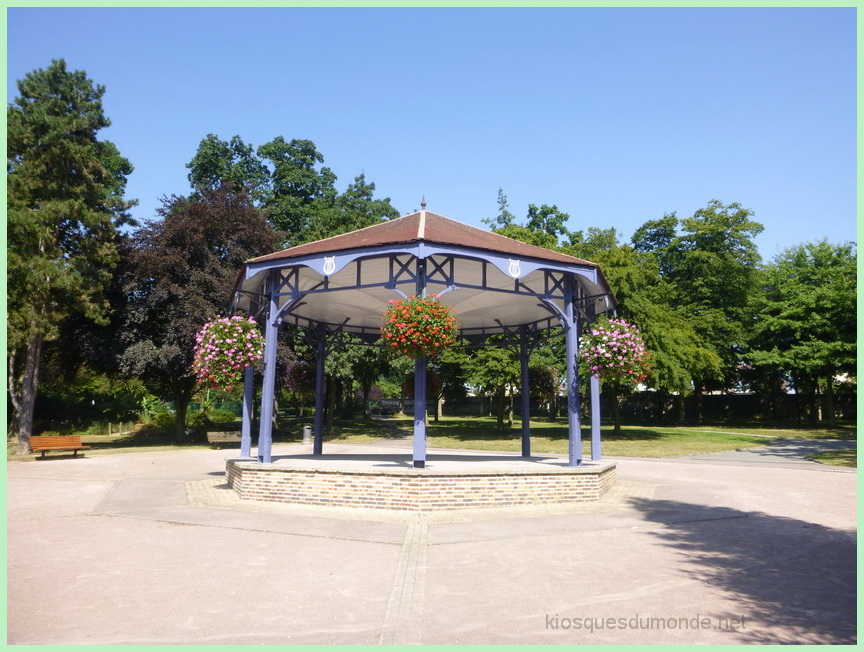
64,206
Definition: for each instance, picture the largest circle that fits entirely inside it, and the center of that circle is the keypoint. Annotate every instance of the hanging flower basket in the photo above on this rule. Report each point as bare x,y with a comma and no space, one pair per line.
224,348
419,326
614,350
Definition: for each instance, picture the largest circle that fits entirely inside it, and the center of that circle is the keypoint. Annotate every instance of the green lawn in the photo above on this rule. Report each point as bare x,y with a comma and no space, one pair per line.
479,433
845,457
848,433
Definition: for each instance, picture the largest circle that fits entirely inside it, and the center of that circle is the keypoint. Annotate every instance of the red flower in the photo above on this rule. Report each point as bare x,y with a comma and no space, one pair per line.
419,326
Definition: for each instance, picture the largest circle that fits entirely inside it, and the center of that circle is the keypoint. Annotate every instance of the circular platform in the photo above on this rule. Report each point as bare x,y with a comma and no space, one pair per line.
390,481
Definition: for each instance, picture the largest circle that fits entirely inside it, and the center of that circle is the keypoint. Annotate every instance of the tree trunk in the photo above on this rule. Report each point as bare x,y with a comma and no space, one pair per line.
814,402
502,399
347,392
510,411
797,383
439,408
23,393
829,400
181,404
616,409
367,409
331,404
698,401
775,399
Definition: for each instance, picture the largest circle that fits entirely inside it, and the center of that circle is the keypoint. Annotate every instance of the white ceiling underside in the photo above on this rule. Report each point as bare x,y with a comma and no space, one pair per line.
361,309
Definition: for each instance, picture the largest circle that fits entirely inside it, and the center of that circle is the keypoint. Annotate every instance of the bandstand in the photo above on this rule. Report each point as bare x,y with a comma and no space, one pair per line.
344,284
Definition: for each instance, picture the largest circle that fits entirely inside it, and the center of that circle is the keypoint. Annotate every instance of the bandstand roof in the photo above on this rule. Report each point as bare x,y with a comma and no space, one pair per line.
496,283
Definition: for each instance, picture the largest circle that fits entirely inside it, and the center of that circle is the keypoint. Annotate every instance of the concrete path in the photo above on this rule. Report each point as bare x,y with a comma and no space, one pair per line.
154,549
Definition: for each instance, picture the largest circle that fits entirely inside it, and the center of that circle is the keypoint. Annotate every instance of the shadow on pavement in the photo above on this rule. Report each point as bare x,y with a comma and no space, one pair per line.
399,459
786,573
801,448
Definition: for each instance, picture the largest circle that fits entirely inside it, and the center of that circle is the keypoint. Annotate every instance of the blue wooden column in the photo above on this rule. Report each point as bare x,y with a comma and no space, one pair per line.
320,359
419,439
571,340
248,398
595,418
271,337
526,394
420,413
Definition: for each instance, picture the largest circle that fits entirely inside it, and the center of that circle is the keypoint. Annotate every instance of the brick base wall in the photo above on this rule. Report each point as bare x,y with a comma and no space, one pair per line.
417,491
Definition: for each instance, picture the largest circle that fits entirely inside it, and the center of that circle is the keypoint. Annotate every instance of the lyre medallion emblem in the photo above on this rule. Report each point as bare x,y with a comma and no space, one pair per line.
329,265
514,269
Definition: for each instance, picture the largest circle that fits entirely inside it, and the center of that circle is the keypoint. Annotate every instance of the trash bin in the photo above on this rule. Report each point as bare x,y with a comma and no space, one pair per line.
307,434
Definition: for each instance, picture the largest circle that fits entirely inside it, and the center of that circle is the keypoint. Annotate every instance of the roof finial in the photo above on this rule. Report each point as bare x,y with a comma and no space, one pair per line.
423,203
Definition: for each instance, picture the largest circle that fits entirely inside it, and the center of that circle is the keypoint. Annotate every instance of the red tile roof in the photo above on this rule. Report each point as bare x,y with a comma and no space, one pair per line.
427,227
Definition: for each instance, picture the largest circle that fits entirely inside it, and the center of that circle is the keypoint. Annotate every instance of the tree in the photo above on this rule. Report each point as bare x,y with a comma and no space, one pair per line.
524,234
179,274
504,217
353,209
673,281
289,181
493,370
646,298
717,259
299,190
549,220
64,206
656,237
711,267
545,384
543,226
449,368
805,322
218,162
368,365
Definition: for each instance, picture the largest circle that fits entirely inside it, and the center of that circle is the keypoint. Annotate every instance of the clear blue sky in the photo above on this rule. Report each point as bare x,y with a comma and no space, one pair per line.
615,115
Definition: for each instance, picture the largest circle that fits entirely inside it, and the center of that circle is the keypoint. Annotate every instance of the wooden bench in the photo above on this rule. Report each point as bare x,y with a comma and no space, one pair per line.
224,437
61,443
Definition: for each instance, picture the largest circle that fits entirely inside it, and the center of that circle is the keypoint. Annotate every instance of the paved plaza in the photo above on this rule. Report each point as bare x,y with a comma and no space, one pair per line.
742,547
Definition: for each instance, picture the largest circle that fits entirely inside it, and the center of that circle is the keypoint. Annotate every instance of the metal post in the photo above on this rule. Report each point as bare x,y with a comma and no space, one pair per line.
420,413
271,336
320,358
526,395
595,418
419,440
571,339
248,398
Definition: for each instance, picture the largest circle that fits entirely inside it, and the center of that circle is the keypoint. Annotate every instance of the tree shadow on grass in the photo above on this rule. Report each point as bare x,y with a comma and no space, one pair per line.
794,581
477,430
346,428
846,432
146,436
468,430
